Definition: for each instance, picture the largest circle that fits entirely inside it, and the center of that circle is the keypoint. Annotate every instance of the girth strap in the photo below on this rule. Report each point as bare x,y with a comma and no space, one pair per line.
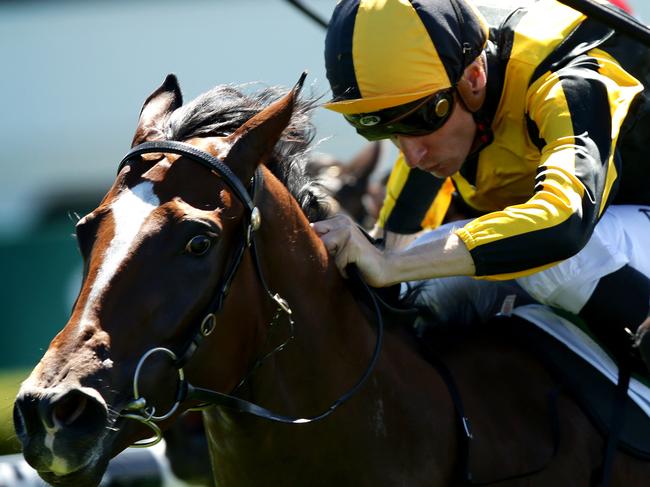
464,425
616,421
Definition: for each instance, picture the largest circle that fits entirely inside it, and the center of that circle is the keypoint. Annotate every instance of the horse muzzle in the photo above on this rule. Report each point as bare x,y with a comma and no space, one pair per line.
60,428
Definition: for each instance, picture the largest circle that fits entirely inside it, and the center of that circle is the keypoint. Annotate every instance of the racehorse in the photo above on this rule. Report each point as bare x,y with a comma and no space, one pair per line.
201,268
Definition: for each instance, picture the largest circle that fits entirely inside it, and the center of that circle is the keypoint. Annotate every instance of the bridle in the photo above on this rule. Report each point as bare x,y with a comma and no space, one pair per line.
138,409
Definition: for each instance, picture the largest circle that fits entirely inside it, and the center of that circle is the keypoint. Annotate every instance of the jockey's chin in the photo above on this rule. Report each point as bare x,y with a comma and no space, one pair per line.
443,169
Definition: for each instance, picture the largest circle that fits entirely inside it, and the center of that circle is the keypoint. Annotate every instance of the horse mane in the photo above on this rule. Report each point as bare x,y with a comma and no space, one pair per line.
220,111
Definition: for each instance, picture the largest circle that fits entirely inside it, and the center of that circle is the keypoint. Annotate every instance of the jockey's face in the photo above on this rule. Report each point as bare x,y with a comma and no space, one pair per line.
443,151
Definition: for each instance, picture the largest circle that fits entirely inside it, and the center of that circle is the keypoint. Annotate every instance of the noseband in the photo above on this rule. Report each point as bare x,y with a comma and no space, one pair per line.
138,409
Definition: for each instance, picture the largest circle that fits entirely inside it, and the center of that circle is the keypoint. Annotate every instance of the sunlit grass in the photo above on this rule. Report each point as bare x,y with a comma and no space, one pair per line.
9,384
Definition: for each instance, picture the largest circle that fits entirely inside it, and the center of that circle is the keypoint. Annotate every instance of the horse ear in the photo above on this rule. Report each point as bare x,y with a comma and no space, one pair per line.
254,141
156,109
364,163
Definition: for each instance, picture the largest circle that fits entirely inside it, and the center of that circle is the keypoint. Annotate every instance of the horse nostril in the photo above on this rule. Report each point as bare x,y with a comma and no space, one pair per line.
19,421
68,409
26,415
76,410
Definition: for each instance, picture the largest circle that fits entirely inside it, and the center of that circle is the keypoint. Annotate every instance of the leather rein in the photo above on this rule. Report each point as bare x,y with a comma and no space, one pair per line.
138,409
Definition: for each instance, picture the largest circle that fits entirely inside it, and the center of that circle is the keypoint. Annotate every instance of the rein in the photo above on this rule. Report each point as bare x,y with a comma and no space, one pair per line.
138,409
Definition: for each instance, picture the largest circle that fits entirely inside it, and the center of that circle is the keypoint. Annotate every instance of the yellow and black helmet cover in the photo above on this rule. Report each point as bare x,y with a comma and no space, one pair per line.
384,53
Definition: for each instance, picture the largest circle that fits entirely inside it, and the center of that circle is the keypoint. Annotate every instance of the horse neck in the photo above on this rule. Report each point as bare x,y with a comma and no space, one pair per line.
327,318
332,347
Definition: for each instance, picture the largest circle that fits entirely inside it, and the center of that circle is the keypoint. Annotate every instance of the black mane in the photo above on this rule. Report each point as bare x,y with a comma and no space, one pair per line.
220,111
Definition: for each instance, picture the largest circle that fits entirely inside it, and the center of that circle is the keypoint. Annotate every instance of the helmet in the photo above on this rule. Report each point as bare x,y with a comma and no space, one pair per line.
384,53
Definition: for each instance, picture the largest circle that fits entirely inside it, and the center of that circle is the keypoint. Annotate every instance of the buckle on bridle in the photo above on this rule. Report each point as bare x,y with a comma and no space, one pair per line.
208,324
256,219
282,303
253,225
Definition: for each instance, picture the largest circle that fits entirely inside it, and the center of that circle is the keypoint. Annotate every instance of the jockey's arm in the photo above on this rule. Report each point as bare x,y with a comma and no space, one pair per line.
392,240
445,255
575,178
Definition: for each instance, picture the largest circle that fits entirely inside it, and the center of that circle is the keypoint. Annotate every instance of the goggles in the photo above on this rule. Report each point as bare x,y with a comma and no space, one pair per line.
420,117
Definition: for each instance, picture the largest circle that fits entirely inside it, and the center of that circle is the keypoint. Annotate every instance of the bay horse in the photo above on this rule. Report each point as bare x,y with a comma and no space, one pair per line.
226,221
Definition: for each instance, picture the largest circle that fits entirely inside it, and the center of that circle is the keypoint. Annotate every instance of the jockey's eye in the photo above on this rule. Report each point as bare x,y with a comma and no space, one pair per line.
198,245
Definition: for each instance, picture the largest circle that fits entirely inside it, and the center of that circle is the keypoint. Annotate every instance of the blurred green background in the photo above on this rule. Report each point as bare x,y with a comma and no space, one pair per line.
73,77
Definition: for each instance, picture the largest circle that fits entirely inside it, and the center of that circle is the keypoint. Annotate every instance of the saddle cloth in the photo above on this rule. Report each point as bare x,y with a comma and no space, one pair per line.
584,346
588,373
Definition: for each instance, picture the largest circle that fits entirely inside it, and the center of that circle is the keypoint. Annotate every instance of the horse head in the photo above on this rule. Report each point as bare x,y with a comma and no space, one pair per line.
160,254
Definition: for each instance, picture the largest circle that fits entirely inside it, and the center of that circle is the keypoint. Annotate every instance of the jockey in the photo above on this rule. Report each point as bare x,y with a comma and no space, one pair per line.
536,118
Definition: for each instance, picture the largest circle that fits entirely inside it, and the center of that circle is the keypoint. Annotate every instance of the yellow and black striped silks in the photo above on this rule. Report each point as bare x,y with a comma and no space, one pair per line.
561,92
428,42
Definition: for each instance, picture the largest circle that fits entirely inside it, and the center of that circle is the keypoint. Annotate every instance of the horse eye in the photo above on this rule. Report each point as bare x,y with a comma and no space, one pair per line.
198,245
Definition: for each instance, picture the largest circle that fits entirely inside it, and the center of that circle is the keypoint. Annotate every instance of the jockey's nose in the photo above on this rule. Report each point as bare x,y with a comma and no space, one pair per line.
413,148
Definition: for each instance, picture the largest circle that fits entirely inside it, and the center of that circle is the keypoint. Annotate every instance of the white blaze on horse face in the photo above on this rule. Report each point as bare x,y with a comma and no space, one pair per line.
130,211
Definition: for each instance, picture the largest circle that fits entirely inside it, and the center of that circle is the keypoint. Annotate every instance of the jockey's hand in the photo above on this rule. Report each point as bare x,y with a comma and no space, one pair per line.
348,245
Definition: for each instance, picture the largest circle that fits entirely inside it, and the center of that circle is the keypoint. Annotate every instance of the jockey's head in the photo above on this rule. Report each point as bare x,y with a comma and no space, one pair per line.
397,67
